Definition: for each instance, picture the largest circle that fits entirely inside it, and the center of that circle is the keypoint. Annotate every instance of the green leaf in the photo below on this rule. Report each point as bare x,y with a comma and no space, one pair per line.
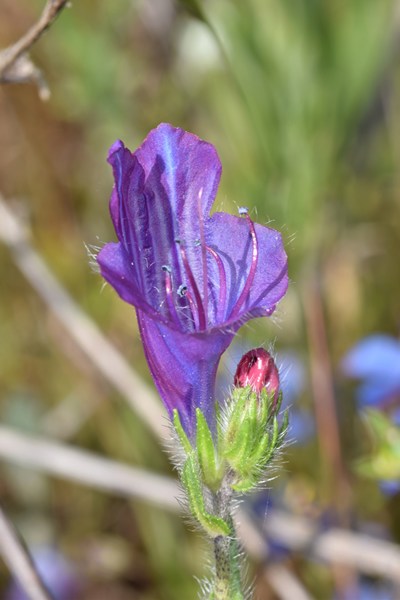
206,453
183,438
213,525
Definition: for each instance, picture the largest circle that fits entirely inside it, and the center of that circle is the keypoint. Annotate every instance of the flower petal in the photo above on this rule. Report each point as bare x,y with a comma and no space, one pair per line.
230,237
376,356
183,367
188,170
117,270
161,195
144,224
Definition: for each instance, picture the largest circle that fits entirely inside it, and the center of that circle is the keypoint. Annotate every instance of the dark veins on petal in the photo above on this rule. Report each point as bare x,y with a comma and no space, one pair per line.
201,276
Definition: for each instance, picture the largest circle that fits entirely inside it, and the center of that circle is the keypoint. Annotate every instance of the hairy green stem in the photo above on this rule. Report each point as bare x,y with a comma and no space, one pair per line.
227,585
227,582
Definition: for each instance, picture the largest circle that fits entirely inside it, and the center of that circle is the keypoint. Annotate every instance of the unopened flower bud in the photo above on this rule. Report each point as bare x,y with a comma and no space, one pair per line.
257,369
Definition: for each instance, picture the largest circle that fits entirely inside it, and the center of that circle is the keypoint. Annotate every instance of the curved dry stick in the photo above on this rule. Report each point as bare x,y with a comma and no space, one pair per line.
15,66
19,562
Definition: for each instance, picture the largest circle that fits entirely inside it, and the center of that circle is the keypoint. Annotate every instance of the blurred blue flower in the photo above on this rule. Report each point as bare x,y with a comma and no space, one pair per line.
375,360
57,573
389,487
368,590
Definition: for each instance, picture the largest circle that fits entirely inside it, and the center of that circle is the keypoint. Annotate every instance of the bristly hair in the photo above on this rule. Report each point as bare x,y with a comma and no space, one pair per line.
92,252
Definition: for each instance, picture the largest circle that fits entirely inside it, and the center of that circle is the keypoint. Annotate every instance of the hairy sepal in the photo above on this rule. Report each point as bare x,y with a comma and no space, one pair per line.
207,454
191,478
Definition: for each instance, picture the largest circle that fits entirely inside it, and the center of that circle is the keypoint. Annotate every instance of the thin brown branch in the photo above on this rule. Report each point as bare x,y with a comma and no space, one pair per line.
332,470
15,65
19,562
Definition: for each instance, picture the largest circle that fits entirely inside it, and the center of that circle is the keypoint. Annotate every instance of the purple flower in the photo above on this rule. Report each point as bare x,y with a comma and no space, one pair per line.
193,278
376,361
59,576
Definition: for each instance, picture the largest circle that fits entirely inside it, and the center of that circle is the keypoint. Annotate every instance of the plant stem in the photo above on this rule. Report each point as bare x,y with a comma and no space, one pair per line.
227,571
227,583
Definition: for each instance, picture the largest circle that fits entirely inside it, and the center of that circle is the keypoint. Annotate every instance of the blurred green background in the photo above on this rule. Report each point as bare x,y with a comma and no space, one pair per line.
301,99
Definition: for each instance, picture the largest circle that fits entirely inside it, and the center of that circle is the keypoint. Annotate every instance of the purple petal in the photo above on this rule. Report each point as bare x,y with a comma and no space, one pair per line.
59,575
230,237
161,195
389,487
143,223
116,268
183,367
374,356
187,171
375,360
377,392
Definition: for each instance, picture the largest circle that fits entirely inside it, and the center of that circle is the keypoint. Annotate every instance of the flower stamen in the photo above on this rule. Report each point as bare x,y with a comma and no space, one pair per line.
250,277
222,281
197,298
183,292
203,251
169,296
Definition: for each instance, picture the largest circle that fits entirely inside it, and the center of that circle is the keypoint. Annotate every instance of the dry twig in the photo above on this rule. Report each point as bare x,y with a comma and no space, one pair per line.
15,64
335,546
19,562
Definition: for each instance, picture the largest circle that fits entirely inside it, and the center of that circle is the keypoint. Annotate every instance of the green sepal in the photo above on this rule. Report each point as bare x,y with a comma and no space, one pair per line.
264,410
278,403
245,485
183,438
274,441
213,525
235,434
206,453
285,424
258,458
237,406
248,437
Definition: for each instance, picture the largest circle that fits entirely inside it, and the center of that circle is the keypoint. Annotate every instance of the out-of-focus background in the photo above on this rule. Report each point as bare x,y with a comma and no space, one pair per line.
302,101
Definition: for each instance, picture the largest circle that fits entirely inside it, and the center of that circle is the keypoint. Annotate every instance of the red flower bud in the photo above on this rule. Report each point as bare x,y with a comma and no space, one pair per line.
257,369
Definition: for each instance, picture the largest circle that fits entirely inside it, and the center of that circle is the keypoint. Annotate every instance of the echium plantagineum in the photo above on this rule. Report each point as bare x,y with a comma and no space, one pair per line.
194,278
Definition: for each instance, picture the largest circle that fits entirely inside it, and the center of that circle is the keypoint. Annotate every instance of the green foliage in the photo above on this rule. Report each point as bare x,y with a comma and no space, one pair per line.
207,454
183,438
191,478
247,439
384,463
253,436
